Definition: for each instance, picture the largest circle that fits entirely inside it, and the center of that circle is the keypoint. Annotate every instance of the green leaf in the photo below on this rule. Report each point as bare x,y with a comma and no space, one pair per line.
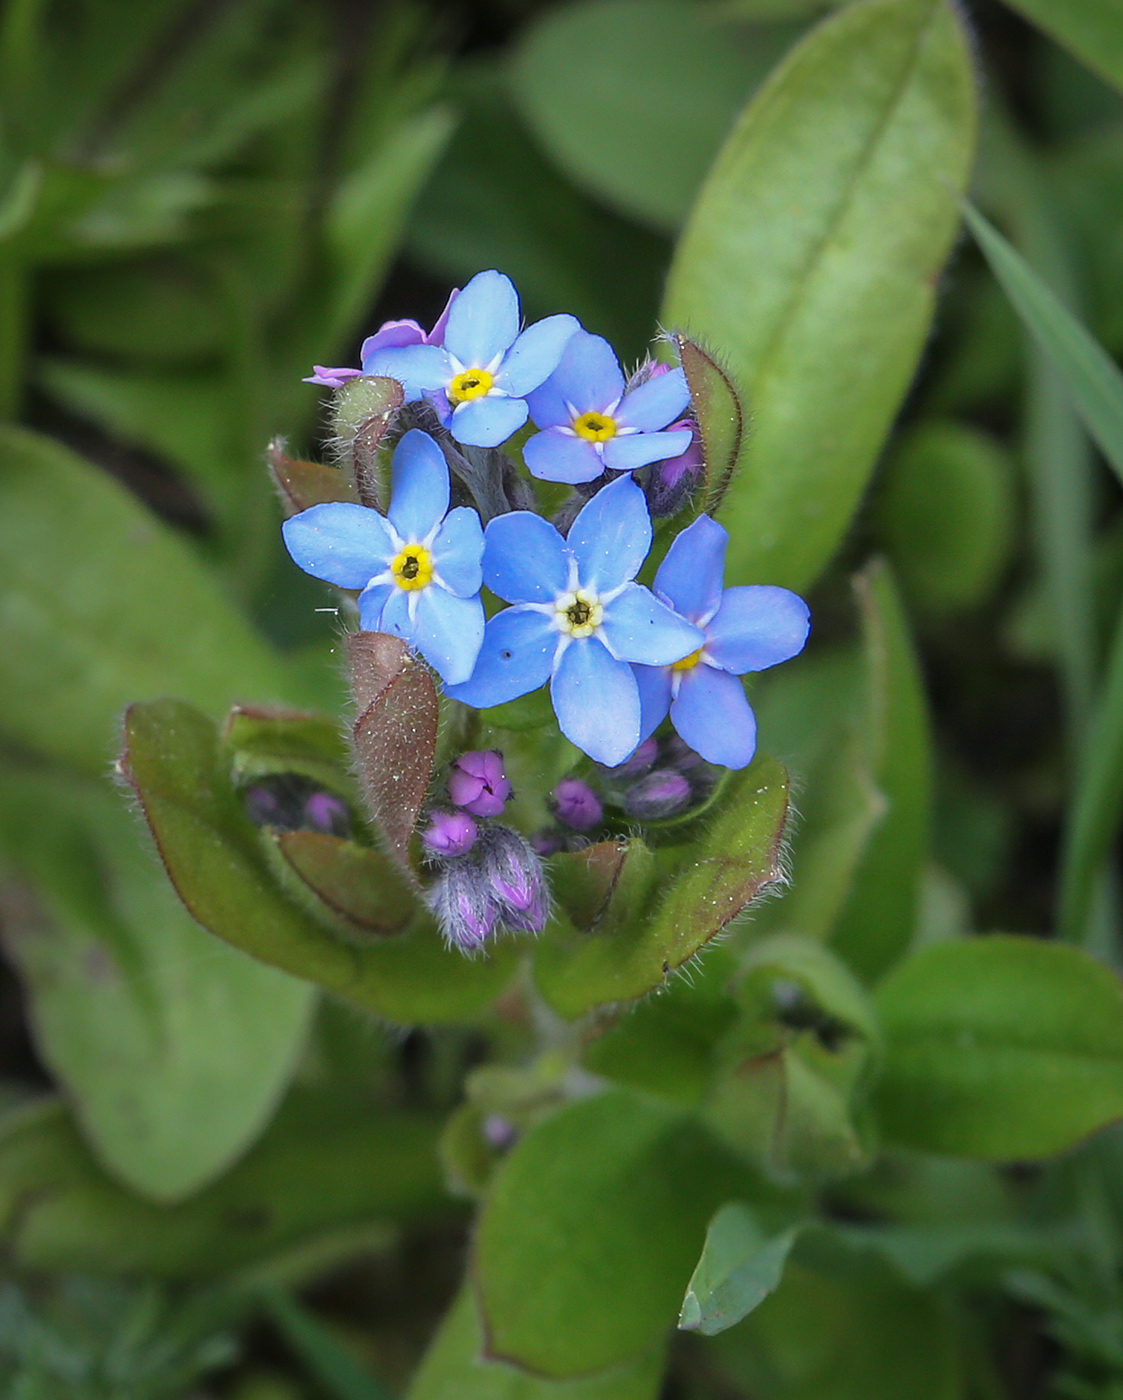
809,267
734,862
1092,378
173,1051
590,1231
740,1266
215,860
325,1358
303,484
633,97
1000,1048
101,604
363,888
720,415
325,1177
454,1368
1089,28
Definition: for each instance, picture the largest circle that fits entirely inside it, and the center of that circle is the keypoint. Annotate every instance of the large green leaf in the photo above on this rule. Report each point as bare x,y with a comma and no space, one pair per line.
100,604
810,261
174,1050
1000,1048
590,1231
215,859
1090,28
454,1368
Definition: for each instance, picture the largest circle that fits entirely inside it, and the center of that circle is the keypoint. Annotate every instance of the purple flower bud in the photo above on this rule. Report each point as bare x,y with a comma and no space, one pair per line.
515,879
462,904
577,805
498,1132
449,834
263,805
478,783
658,795
639,762
327,813
546,842
681,756
331,378
670,482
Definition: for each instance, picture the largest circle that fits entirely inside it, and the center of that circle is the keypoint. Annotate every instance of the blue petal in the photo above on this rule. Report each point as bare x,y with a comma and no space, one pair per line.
757,626
535,355
419,486
626,453
483,321
415,366
611,535
525,559
596,700
554,456
342,543
516,656
654,684
395,617
587,377
372,601
458,552
655,404
487,422
712,715
638,627
690,576
448,631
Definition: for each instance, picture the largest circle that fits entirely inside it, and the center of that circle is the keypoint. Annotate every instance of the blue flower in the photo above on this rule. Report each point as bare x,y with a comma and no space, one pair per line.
745,629
419,570
481,375
590,423
578,619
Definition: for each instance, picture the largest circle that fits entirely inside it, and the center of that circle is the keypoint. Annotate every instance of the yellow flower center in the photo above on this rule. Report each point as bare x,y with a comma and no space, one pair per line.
471,384
594,427
413,567
578,614
688,663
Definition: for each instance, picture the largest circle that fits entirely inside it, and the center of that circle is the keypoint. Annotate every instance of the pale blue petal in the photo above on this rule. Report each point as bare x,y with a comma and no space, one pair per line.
516,656
395,617
525,559
372,601
587,377
596,700
757,626
483,321
654,684
611,535
342,543
535,355
448,631
458,552
656,403
712,715
632,450
638,627
415,366
690,575
554,456
419,486
487,422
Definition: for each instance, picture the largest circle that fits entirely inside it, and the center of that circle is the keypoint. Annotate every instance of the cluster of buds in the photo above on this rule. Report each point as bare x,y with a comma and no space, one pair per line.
292,802
487,875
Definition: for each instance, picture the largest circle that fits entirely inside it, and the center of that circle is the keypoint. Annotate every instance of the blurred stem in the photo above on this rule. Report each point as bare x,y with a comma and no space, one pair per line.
14,306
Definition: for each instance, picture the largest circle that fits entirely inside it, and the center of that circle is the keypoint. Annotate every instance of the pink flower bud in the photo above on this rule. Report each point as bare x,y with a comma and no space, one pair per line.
658,795
478,783
449,834
577,805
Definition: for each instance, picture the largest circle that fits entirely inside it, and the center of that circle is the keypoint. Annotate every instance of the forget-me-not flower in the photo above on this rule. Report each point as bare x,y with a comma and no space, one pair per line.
578,619
390,334
419,569
745,629
480,375
590,423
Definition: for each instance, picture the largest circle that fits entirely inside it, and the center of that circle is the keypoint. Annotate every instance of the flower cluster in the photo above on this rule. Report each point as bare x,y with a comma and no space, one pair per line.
619,657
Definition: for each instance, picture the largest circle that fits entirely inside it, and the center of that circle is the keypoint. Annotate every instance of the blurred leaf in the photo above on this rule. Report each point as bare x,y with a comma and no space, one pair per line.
322,1178
303,484
740,1266
808,267
633,97
213,857
101,604
1088,28
946,511
173,1051
333,1366
1000,1048
455,1368
589,1233
268,740
736,859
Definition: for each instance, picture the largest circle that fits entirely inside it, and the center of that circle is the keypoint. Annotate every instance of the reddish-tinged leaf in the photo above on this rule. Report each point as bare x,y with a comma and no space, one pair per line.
721,419
361,886
303,484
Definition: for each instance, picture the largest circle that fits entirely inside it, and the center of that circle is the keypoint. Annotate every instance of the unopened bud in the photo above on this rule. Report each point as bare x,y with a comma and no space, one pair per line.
670,482
546,842
463,906
639,762
478,783
327,813
449,834
515,879
659,794
577,805
499,1132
